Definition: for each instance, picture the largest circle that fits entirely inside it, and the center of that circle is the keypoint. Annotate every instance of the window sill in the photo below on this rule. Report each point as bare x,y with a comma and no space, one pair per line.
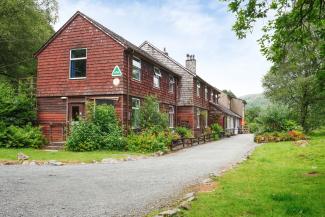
79,78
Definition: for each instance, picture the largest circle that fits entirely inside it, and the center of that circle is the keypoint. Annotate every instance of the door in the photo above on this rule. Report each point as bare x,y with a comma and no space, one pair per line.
76,111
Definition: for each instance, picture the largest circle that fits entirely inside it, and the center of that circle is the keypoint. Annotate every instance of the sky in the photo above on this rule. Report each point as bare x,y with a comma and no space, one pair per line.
199,27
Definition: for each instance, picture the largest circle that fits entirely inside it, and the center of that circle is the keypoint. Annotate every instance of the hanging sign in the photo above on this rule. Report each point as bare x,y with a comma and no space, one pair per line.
116,72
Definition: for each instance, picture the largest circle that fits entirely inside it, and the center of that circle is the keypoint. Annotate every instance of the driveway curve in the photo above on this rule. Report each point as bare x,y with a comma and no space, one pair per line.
131,188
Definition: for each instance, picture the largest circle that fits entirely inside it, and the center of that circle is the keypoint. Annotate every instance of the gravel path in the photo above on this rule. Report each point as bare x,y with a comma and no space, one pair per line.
130,188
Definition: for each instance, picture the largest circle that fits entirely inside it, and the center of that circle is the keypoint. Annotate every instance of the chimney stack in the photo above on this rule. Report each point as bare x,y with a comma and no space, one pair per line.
165,51
191,62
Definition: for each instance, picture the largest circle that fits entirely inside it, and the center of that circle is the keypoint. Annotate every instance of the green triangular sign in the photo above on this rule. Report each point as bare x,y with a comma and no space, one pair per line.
116,72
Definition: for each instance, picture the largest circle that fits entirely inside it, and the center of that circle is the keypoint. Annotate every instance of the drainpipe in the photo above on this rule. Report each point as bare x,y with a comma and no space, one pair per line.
128,93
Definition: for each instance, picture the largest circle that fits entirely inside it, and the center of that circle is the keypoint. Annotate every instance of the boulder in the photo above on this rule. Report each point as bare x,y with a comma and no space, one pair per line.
21,156
55,163
169,213
185,205
188,195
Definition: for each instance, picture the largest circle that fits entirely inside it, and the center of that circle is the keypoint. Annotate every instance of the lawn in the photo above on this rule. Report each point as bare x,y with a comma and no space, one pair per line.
7,154
279,179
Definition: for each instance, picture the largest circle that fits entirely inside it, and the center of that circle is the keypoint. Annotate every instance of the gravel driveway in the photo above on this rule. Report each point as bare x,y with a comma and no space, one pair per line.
130,188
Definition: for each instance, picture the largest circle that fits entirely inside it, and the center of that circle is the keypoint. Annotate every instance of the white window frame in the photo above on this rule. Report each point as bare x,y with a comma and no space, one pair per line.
198,117
206,119
133,66
79,58
171,116
198,88
171,84
135,108
156,77
211,96
206,93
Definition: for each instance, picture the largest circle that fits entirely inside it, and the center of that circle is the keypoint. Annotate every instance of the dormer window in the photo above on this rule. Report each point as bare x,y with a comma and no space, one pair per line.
156,77
78,63
206,93
198,88
211,96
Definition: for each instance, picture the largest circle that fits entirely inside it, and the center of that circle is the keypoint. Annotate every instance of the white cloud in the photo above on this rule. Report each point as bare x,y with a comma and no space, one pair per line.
183,26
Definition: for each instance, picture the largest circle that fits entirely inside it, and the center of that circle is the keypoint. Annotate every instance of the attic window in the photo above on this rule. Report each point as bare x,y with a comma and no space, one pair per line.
78,62
206,93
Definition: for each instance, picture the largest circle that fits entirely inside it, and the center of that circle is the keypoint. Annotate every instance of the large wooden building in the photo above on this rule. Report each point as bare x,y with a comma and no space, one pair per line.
84,61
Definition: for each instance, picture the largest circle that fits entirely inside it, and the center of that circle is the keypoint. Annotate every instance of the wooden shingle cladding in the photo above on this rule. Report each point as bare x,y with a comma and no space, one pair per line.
56,91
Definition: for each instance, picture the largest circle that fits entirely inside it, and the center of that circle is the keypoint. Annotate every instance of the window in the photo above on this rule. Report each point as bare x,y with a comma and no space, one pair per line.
136,69
156,77
171,113
157,107
171,84
78,60
135,113
198,88
206,93
198,113
75,113
104,102
206,119
211,96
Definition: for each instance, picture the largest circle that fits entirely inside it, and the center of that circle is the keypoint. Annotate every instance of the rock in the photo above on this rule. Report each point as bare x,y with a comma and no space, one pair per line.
213,175
109,161
25,162
22,156
188,195
185,205
190,199
33,163
206,181
168,213
55,163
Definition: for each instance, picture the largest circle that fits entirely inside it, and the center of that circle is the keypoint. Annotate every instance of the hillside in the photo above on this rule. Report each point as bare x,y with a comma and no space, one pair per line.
255,100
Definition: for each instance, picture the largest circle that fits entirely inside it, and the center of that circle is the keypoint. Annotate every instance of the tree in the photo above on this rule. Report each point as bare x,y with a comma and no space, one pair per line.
25,25
229,93
293,41
293,82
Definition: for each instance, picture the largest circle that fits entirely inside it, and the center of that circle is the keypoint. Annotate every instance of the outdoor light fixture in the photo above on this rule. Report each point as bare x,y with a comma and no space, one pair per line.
64,97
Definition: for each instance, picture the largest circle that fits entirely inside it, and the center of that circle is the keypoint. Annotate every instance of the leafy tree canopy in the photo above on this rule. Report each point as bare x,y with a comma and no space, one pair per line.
229,93
25,25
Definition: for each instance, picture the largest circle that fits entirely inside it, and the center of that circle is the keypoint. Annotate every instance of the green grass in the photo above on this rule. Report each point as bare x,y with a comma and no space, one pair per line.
273,182
7,154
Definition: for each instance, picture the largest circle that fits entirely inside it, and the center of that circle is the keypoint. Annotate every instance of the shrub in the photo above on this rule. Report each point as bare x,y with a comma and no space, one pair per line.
149,141
21,137
253,127
216,130
184,132
85,136
151,117
279,136
273,119
100,130
16,107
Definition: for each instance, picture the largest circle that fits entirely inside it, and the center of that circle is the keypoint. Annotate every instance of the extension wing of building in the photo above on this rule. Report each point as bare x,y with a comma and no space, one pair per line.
84,61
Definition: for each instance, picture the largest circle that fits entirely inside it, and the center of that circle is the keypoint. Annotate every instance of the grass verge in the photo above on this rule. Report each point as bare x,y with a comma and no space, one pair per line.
7,154
280,179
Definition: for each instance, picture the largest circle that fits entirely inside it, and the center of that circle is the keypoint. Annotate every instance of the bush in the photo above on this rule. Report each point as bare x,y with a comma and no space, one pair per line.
184,132
149,141
216,130
151,117
280,136
273,119
100,130
16,107
21,137
253,127
85,136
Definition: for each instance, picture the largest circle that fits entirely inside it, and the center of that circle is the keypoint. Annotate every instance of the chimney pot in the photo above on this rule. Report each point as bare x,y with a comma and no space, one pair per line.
190,62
